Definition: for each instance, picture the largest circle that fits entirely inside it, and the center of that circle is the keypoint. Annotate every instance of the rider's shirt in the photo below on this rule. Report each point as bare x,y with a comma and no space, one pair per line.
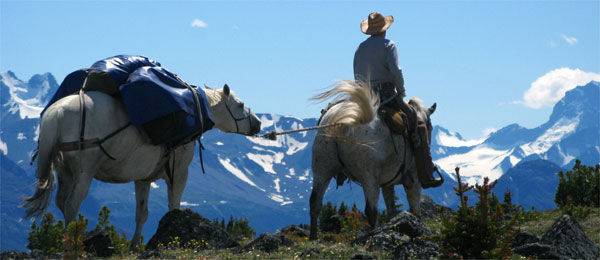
376,60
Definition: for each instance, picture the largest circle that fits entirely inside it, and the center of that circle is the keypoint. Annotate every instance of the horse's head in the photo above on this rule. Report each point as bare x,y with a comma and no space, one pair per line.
230,114
423,112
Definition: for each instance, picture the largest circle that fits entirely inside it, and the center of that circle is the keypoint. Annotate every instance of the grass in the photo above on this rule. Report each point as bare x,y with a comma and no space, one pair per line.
543,220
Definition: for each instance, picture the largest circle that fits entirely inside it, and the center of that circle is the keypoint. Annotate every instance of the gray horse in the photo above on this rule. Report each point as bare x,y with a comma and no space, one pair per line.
363,149
136,159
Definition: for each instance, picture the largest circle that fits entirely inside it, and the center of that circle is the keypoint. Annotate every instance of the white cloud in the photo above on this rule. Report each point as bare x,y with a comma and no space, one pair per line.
553,44
199,23
550,88
569,40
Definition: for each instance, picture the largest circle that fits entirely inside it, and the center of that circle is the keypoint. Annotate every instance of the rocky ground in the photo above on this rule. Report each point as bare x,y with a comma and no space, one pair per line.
183,234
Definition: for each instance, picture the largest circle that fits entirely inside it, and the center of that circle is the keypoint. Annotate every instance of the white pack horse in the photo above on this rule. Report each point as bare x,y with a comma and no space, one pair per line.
136,159
364,150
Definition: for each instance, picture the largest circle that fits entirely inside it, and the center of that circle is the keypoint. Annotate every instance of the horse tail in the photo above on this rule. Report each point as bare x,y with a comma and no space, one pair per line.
356,104
48,148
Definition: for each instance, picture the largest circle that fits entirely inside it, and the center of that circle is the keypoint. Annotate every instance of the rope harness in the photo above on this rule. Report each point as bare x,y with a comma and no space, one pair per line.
236,119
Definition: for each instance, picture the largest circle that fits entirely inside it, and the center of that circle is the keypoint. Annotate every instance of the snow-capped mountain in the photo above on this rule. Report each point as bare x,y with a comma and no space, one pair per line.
269,182
571,132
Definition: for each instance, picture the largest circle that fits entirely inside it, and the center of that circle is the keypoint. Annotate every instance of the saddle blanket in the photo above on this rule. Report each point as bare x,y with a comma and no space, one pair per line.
158,101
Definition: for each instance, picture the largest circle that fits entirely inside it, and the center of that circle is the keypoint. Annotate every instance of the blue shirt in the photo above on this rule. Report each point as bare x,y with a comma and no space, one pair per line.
376,61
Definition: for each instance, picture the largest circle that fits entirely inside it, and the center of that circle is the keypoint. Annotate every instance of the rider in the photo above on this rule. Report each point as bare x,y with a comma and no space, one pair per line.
376,61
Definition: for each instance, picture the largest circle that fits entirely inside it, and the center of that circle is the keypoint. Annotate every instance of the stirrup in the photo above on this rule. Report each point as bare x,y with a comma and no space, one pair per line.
434,182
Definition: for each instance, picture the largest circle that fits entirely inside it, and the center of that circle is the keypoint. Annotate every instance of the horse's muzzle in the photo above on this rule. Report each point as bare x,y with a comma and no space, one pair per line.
254,125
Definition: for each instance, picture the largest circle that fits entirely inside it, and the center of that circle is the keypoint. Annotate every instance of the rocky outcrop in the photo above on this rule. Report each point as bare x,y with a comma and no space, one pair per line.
97,243
567,237
431,210
294,230
565,240
188,226
400,235
269,243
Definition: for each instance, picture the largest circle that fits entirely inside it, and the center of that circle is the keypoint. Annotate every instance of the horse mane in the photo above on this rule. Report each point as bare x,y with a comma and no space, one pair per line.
419,107
213,96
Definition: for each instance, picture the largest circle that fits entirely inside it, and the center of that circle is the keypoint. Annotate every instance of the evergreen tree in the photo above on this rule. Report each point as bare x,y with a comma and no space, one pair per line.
579,186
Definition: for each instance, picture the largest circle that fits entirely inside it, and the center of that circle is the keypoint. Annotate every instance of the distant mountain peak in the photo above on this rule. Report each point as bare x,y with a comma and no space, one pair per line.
572,131
26,99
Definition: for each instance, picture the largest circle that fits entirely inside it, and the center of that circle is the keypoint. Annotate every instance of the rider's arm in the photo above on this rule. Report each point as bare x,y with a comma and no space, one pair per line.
395,70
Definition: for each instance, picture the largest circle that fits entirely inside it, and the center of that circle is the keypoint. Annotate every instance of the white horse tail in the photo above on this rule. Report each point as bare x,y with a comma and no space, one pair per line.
357,104
47,150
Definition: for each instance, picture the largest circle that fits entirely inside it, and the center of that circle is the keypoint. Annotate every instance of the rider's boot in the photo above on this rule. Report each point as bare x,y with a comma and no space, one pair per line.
419,137
423,160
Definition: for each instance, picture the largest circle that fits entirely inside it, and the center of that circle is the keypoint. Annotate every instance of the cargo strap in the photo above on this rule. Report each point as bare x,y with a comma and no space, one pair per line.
83,144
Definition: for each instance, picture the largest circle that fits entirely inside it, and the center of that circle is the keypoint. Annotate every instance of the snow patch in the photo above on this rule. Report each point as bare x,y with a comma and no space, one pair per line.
305,176
514,160
223,201
280,199
295,146
219,143
481,161
187,204
21,136
266,161
3,147
277,188
451,139
553,135
237,173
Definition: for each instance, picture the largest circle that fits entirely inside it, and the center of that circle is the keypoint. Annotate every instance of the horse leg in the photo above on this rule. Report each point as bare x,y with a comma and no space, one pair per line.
413,195
183,157
325,165
389,196
320,184
79,190
65,184
371,191
176,188
142,191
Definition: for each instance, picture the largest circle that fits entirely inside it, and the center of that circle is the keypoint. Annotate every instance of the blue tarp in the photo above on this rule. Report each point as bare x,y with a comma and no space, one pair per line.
153,92
121,66
149,92
70,85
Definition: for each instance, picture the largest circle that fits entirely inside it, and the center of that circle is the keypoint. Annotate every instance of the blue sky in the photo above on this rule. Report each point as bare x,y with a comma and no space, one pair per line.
486,63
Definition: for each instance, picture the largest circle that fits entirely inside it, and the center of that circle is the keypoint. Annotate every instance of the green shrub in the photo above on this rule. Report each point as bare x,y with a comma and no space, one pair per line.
119,242
476,232
578,212
329,220
47,236
579,186
74,237
236,227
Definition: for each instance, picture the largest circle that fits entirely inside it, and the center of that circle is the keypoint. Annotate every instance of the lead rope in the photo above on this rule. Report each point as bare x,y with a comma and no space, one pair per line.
273,134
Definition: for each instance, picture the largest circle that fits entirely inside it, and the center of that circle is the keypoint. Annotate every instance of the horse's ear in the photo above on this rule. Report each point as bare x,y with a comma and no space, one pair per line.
226,90
206,86
432,108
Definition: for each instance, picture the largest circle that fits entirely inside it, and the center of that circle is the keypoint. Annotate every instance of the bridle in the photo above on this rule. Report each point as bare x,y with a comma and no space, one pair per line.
236,120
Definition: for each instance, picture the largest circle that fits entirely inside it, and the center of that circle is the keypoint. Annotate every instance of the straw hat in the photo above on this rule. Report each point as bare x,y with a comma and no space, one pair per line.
377,23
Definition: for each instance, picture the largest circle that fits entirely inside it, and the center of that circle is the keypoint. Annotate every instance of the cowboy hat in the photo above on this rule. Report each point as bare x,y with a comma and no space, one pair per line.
377,23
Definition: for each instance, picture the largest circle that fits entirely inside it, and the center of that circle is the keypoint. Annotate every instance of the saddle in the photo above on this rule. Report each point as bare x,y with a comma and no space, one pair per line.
394,119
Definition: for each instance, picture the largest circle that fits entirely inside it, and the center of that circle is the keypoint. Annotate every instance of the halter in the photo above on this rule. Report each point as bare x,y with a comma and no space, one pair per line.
235,120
